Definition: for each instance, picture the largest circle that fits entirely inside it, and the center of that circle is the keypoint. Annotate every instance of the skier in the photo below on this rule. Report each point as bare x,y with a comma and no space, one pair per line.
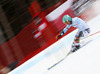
83,30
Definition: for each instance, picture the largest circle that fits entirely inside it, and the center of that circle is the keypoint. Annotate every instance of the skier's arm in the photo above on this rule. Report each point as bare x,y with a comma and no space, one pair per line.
63,31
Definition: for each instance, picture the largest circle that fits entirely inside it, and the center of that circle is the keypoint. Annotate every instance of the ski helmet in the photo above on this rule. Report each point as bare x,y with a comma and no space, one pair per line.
66,18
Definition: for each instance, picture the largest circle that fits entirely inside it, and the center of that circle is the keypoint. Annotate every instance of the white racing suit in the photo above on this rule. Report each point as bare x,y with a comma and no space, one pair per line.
83,31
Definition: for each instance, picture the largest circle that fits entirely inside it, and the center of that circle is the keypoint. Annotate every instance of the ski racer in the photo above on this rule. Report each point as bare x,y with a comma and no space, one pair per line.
82,26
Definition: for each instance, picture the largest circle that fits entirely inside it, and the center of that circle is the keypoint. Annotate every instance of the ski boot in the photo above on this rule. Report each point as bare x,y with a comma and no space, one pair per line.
75,48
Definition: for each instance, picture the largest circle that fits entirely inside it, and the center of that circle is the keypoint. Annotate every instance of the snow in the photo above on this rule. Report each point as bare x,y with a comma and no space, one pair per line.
84,61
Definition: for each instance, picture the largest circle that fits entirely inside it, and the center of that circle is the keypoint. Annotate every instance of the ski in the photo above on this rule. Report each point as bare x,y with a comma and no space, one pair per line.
68,54
82,45
59,61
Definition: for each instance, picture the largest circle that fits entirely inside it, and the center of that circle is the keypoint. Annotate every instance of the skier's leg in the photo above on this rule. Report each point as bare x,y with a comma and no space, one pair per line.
86,32
76,43
78,36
